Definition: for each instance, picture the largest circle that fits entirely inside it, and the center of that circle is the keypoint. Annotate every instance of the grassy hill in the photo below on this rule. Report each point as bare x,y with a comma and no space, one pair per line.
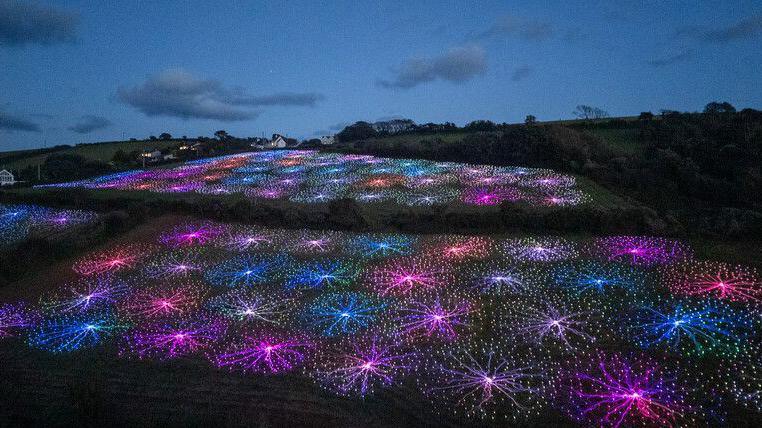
96,151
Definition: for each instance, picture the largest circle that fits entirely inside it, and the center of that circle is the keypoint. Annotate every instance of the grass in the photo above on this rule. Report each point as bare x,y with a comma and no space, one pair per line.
97,388
621,141
103,152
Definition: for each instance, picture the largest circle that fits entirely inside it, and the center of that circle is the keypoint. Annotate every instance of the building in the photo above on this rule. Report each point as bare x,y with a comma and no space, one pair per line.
7,178
150,157
327,140
260,143
278,142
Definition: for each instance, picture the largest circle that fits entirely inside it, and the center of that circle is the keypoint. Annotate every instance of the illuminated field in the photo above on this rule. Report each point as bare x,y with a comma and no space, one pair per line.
17,222
308,176
609,331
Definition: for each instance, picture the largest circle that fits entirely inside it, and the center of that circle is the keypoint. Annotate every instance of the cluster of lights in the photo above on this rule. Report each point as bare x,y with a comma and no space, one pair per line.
547,249
488,380
641,250
488,327
18,222
716,280
615,390
692,328
313,177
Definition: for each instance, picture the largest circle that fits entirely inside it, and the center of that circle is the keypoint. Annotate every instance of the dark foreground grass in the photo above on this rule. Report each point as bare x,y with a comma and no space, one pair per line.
96,388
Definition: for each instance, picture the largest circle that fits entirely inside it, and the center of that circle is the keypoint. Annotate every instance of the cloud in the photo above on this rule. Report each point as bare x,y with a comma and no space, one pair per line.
512,26
28,23
458,65
14,123
178,93
89,123
671,59
744,29
522,73
280,99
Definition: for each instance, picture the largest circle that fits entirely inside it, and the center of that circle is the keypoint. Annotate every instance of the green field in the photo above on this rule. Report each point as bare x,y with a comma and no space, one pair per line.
103,152
621,141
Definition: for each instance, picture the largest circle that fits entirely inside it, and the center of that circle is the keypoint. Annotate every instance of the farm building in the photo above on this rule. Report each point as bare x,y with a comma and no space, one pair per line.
6,178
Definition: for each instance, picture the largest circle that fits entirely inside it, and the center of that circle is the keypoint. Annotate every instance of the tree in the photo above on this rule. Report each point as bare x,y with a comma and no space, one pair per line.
121,157
716,107
67,167
357,131
221,135
646,115
589,112
530,120
152,138
165,136
481,126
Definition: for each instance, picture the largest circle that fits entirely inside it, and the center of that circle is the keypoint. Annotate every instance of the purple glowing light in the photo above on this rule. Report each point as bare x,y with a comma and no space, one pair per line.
266,353
434,320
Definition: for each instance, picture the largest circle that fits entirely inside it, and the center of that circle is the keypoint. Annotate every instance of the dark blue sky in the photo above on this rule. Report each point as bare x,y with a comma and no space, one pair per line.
73,72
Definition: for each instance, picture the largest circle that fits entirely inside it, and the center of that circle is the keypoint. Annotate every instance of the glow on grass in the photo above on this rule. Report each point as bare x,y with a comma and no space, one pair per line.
611,390
405,275
542,249
552,323
112,260
716,280
481,381
264,353
191,234
72,332
382,245
366,367
249,305
176,264
589,277
167,340
322,274
694,329
344,313
15,317
162,301
498,277
433,319
460,249
99,292
246,270
641,250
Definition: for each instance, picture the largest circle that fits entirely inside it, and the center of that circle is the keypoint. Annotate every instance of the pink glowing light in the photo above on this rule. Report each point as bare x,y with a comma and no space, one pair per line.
435,319
266,353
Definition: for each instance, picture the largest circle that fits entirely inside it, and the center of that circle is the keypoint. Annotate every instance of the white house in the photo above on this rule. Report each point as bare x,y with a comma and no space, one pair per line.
153,156
327,140
6,178
278,142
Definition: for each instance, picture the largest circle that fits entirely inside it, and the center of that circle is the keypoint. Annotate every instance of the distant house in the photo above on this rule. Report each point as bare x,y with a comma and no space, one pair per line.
170,156
327,140
260,143
6,178
188,146
278,142
153,156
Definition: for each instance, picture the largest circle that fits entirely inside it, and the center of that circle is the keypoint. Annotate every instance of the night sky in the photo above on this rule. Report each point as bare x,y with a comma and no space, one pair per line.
74,72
